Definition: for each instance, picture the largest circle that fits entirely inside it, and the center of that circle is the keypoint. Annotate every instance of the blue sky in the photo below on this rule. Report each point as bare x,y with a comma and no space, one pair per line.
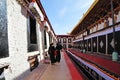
64,15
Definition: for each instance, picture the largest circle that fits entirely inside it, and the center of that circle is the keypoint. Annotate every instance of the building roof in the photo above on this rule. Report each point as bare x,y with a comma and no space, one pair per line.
45,16
98,10
33,12
64,36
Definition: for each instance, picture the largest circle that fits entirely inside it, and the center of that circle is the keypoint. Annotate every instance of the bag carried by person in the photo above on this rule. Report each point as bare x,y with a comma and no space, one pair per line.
55,52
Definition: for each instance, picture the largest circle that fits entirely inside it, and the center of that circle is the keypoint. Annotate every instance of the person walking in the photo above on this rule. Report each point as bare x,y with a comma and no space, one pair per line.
51,51
58,55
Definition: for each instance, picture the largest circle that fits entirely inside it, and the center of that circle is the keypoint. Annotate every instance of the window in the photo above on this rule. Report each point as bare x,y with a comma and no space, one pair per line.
69,40
50,38
59,40
32,37
4,52
64,40
45,41
106,23
115,19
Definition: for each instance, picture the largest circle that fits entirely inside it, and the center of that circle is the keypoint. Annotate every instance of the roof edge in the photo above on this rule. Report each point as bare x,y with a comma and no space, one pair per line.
87,12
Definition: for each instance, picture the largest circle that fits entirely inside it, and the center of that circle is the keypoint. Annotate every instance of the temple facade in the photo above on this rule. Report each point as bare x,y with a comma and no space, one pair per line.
65,40
25,35
99,29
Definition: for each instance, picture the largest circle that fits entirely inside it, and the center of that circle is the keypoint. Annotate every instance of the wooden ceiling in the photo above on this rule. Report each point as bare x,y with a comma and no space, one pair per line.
98,10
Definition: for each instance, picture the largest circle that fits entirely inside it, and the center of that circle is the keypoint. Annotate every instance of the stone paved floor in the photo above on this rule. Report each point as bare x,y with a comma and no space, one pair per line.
38,72
57,72
44,71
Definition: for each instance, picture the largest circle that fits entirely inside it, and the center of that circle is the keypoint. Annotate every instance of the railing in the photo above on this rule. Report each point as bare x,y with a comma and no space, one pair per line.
91,70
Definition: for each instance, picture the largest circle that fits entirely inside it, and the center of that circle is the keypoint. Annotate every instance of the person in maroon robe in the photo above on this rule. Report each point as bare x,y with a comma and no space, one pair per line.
51,51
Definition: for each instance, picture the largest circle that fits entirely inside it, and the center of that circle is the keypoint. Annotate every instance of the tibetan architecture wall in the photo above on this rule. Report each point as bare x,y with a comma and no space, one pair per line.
99,23
17,18
22,38
65,40
101,42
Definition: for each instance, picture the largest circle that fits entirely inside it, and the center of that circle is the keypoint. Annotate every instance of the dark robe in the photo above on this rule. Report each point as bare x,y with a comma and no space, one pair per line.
51,53
58,56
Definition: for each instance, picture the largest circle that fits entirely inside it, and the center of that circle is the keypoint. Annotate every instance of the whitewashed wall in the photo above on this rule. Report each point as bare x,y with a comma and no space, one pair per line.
17,36
40,41
17,25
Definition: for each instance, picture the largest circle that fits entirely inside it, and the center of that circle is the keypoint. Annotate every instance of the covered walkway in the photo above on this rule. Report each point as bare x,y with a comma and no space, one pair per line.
57,72
99,60
65,70
104,62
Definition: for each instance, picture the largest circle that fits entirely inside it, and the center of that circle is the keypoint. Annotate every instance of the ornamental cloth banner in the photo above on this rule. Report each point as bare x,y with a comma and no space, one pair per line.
110,42
89,44
94,44
102,44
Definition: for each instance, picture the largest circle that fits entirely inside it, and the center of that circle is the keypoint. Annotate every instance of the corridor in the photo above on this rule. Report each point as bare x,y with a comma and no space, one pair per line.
65,70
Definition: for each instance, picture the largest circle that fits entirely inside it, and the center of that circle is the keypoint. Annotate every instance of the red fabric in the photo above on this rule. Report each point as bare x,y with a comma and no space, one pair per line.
33,0
73,71
107,64
55,52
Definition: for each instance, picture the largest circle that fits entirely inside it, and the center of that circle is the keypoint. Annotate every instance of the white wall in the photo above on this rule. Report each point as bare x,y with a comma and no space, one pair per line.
17,36
40,41
18,22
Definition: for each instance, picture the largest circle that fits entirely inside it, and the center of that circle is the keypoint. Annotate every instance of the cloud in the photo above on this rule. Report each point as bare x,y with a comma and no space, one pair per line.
63,11
66,15
83,4
88,4
61,29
